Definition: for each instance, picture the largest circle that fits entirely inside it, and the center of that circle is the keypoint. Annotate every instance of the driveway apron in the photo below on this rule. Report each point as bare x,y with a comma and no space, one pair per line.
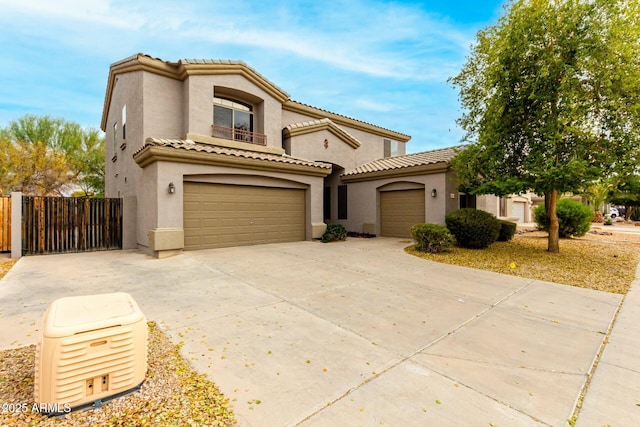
348,333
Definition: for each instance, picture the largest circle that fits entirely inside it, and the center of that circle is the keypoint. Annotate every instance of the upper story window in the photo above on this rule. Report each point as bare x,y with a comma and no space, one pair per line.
115,141
390,148
124,122
232,119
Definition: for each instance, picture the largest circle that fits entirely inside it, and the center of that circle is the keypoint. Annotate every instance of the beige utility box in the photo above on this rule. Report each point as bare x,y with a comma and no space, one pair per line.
91,348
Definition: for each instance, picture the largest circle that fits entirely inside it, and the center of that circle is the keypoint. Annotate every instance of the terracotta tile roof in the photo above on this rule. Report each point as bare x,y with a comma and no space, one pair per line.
308,123
443,155
231,62
182,144
318,124
346,117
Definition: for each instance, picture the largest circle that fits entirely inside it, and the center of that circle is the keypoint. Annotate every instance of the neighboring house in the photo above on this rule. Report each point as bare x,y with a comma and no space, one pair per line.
209,153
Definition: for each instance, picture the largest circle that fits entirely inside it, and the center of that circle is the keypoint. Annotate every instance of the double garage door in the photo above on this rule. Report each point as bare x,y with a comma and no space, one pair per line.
222,215
399,210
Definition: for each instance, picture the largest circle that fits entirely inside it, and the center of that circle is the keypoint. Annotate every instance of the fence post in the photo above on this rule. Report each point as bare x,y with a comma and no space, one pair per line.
16,224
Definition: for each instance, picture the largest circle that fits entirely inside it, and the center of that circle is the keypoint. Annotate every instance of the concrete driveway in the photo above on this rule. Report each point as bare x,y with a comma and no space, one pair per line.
350,333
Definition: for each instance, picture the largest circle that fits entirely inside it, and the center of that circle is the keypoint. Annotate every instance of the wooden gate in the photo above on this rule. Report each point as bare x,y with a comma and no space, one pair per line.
69,224
5,224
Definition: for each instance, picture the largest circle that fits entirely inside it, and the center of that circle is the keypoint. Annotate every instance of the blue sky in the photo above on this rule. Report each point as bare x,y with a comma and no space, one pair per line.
383,62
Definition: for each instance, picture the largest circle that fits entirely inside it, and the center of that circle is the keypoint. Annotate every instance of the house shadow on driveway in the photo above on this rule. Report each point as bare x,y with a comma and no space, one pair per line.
350,333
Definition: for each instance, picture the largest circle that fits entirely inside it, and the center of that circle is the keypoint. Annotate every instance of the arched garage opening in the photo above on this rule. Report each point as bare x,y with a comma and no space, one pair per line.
401,205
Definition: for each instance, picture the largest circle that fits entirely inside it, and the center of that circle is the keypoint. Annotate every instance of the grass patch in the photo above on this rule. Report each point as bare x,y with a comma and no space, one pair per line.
595,261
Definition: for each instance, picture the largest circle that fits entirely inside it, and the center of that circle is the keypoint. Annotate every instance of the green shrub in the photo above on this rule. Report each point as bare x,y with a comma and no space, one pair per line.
574,218
334,232
473,228
432,238
507,230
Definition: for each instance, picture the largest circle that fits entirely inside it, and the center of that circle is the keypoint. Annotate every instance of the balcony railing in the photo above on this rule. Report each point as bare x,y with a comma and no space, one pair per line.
238,135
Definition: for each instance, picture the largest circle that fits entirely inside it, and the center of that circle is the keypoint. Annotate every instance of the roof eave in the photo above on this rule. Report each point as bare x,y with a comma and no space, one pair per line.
431,168
317,113
326,125
151,153
181,71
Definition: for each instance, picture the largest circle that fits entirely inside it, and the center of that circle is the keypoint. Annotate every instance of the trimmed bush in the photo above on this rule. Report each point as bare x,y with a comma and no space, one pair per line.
473,228
432,238
334,232
507,230
574,217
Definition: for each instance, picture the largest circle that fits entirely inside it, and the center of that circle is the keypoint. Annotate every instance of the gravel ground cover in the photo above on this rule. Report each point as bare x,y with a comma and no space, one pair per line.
599,260
5,266
172,394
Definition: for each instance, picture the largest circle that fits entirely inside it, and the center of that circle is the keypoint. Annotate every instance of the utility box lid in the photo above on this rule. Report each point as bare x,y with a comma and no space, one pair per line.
72,315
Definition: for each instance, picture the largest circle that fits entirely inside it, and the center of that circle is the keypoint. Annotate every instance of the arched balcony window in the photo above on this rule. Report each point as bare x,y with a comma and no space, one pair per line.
234,120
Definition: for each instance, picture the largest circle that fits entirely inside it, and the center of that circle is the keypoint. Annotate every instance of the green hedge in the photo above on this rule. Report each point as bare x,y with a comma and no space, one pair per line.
473,228
334,232
574,217
432,238
507,230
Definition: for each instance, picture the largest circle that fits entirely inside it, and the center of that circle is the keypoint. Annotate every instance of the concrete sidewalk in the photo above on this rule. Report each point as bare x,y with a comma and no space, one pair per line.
613,397
352,333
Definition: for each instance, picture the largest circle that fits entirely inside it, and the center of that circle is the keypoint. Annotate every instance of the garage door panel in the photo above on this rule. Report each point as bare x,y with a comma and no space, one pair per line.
219,215
399,210
518,211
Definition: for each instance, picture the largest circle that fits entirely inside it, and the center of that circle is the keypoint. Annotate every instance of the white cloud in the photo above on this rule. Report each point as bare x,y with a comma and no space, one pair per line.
389,40
95,11
382,61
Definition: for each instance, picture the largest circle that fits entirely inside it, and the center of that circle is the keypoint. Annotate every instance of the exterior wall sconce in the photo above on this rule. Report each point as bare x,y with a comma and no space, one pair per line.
172,188
434,192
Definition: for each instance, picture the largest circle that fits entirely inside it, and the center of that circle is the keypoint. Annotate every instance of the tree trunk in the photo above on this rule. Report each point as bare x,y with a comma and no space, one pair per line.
550,200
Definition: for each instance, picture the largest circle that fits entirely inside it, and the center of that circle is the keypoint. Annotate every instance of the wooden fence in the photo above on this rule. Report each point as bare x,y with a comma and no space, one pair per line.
68,224
5,224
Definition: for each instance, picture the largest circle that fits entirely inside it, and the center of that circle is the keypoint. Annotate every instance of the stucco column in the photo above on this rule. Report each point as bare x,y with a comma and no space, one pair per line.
316,195
16,225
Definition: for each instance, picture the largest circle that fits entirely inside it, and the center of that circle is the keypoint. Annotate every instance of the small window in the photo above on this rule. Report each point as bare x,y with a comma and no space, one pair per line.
115,136
390,148
467,201
327,203
342,202
503,206
124,122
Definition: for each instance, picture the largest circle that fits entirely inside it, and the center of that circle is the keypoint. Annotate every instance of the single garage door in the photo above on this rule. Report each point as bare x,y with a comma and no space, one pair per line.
222,215
399,210
518,210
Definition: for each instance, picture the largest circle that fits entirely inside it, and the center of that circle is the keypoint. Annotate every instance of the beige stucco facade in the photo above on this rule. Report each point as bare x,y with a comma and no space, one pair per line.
158,120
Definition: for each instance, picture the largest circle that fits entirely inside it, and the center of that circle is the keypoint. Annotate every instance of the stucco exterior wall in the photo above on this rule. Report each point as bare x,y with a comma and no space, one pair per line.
163,106
199,105
122,174
158,209
364,199
147,204
311,146
372,147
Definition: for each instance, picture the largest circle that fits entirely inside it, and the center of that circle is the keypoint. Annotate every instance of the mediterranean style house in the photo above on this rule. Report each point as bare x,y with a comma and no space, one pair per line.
209,153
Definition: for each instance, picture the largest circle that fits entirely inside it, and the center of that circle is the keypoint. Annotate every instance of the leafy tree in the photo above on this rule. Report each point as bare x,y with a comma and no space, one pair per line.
552,100
627,194
598,193
44,155
33,168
